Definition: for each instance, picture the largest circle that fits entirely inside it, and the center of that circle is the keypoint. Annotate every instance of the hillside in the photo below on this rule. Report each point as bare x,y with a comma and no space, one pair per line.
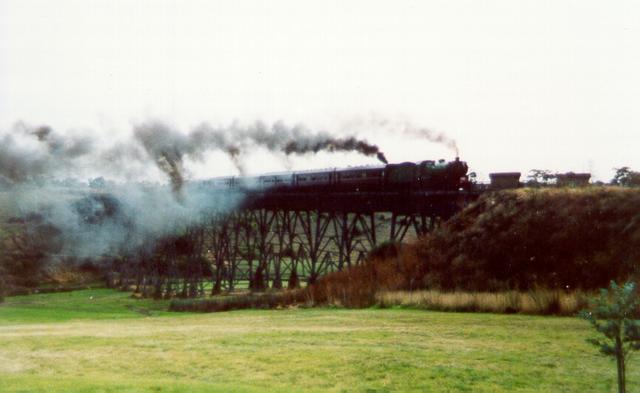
559,238
518,239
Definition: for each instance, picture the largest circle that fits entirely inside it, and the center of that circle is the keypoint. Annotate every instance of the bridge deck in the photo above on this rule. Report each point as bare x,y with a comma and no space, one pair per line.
440,203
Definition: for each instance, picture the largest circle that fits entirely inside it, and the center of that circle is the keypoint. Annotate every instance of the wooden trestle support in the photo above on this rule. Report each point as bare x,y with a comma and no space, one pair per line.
265,247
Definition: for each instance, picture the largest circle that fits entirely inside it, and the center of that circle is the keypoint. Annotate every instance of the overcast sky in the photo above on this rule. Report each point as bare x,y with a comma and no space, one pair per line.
518,84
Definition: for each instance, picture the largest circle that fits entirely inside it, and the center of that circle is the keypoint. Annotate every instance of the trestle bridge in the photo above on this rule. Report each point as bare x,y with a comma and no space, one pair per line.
278,238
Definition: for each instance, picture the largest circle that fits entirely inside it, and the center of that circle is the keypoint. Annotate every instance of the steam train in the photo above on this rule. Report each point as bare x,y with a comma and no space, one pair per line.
407,176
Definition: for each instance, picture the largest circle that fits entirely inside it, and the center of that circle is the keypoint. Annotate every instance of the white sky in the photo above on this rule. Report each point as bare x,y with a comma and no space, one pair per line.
518,84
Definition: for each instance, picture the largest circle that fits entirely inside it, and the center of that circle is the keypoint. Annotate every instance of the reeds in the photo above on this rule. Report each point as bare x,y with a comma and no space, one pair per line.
538,302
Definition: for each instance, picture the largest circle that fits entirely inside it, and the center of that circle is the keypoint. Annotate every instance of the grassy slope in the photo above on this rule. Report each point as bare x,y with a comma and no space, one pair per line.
527,238
69,342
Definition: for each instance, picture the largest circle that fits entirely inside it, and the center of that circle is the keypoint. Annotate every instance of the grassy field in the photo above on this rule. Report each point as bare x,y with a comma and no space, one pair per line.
104,341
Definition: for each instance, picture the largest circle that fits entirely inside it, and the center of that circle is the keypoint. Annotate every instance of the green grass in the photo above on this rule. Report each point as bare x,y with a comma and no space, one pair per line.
69,342
95,304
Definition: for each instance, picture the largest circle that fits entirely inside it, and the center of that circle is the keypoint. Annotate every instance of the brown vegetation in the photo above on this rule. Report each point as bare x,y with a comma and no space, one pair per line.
538,302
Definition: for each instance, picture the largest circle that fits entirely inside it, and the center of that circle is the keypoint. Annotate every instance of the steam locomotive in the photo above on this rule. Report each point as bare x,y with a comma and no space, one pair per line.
407,176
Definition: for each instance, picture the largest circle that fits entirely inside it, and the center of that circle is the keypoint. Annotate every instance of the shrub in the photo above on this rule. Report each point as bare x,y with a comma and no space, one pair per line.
614,314
236,302
385,250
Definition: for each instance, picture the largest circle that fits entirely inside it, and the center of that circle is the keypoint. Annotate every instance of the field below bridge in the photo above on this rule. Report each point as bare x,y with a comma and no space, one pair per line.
105,341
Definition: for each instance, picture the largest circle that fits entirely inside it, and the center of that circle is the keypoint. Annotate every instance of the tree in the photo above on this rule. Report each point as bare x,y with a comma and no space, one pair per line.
614,315
539,177
626,177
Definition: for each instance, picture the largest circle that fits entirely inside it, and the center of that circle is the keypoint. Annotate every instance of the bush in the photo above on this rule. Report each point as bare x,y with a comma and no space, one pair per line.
237,302
385,250
356,287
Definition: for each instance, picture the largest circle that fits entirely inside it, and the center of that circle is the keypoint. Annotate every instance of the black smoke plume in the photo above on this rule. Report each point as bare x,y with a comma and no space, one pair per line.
335,144
168,147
